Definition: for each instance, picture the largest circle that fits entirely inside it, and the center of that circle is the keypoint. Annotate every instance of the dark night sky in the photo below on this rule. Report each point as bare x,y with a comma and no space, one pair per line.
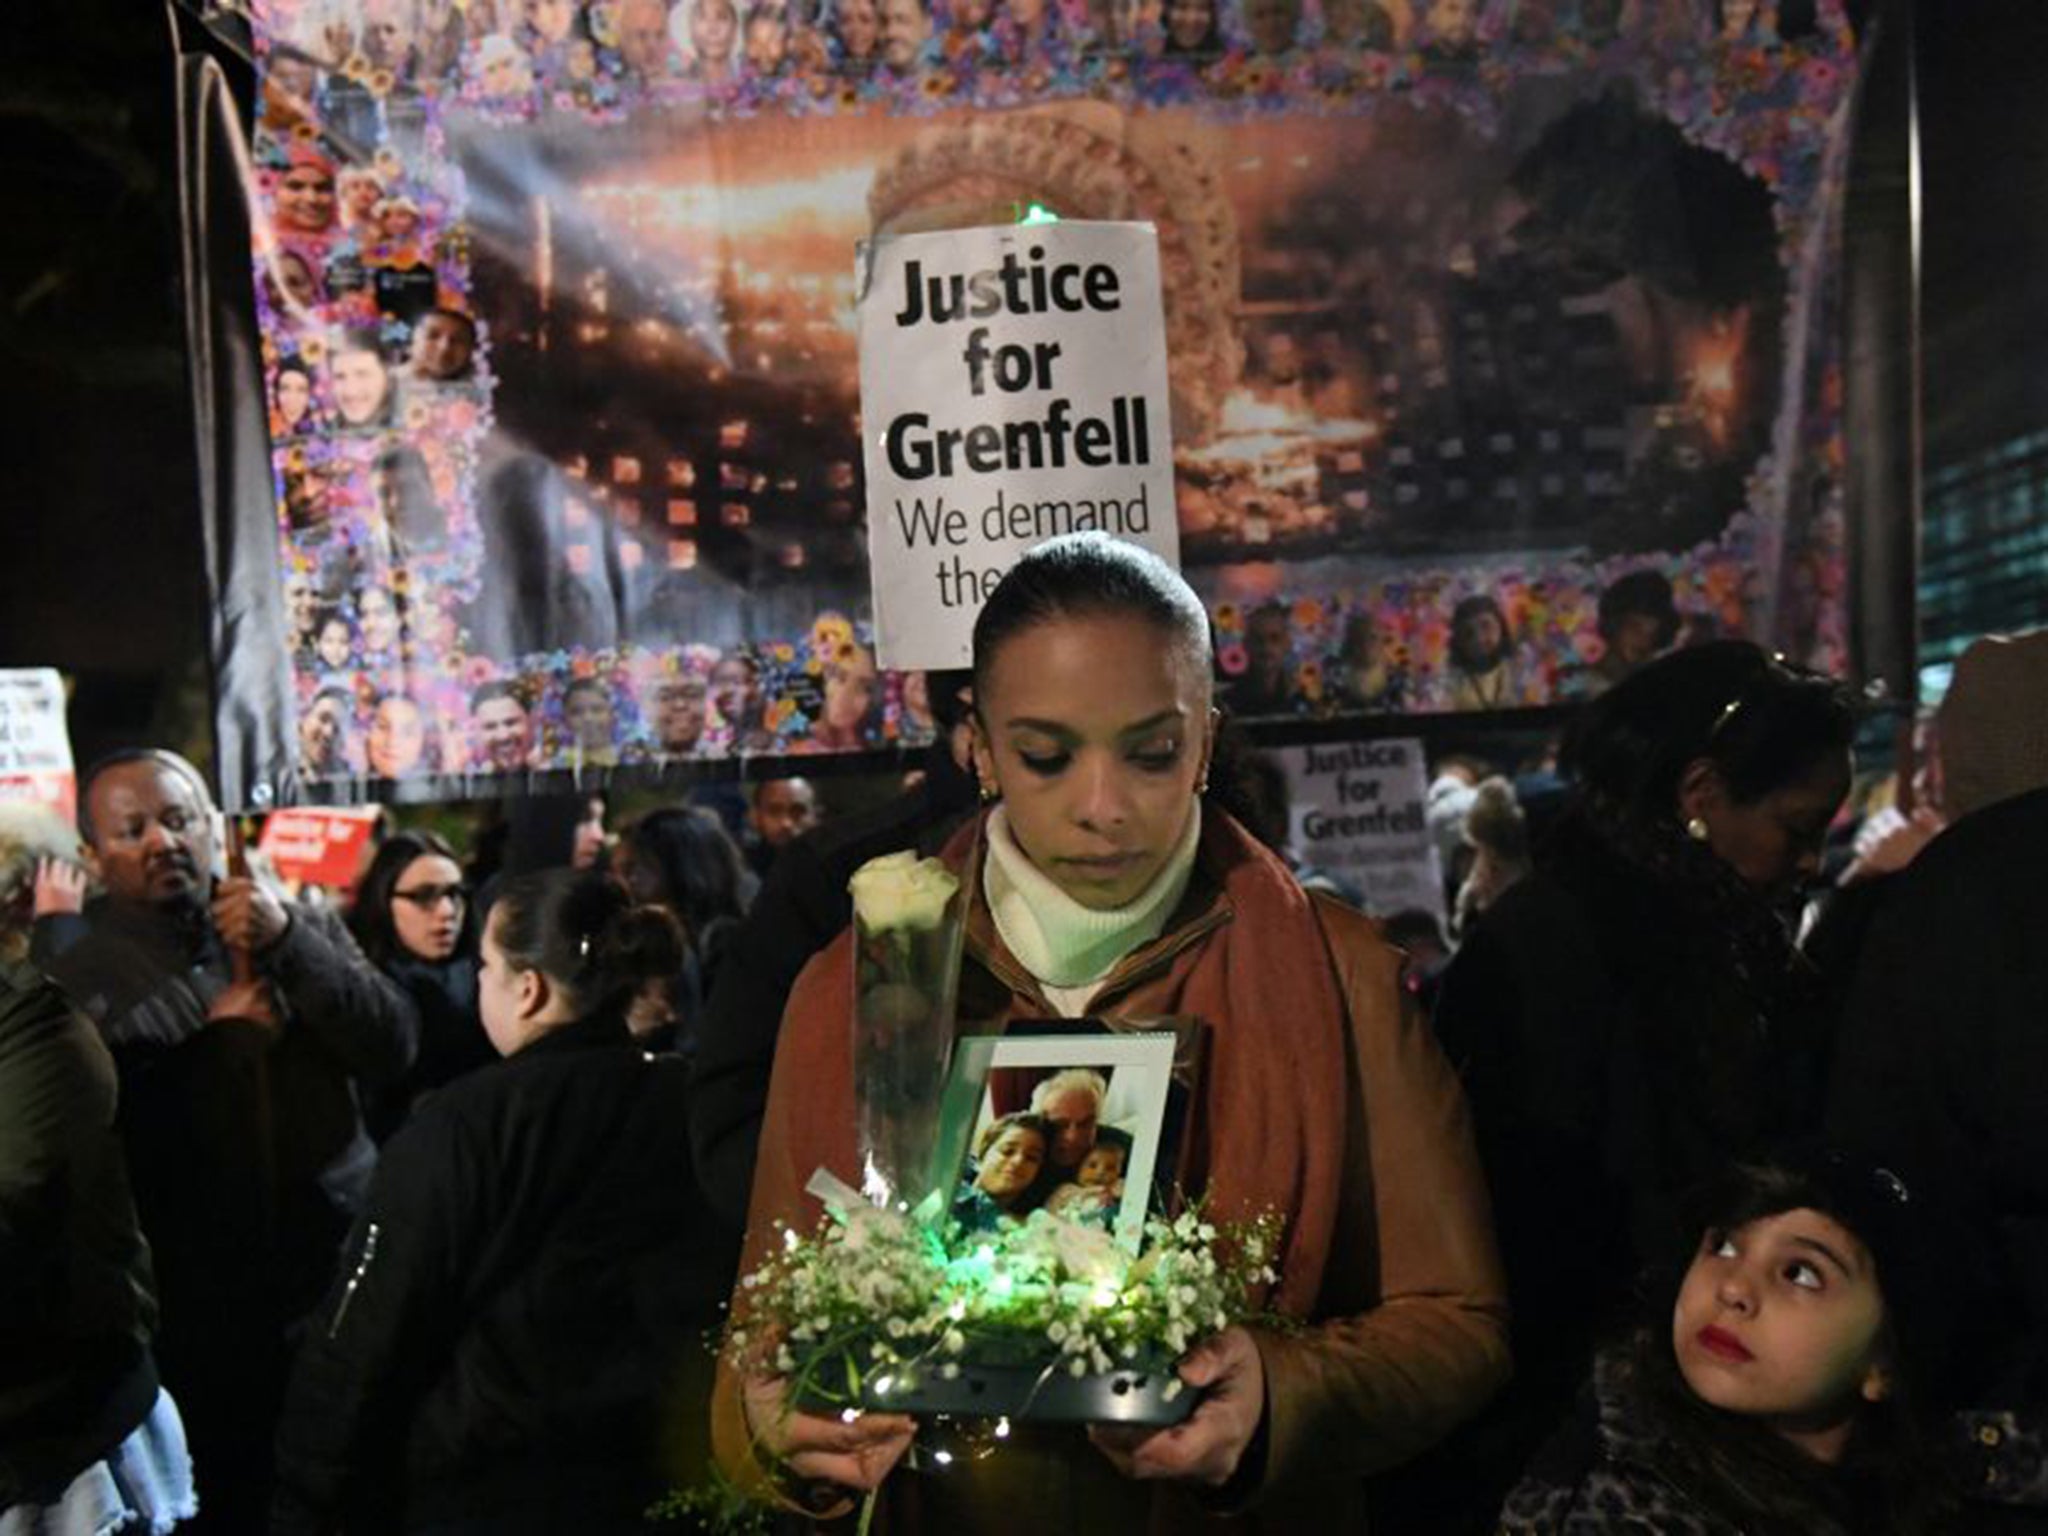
1984,130
101,571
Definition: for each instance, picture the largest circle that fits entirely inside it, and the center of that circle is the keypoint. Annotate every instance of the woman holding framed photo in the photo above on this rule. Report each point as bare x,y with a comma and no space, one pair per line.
1104,886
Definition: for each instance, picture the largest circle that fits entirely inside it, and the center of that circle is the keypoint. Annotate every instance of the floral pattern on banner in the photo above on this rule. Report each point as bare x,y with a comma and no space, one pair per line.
425,642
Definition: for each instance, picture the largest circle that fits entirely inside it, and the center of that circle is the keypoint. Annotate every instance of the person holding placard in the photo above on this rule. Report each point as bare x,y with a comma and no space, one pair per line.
245,1030
1103,885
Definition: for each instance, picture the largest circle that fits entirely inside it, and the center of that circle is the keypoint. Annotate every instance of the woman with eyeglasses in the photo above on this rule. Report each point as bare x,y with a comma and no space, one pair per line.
1636,1016
413,919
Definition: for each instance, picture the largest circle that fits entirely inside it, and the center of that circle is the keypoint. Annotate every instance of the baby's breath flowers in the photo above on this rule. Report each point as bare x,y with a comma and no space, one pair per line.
876,1302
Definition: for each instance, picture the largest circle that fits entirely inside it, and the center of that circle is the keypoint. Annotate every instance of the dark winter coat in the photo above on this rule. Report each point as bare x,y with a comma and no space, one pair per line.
76,1302
522,1309
451,1034
208,1111
1943,1060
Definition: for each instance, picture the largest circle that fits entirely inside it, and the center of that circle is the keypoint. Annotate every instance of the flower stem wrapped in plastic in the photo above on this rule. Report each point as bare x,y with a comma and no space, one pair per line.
909,915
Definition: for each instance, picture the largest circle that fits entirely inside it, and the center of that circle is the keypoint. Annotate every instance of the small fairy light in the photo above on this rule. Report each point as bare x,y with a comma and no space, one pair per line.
849,1415
790,1241
943,1458
1003,1427
884,1385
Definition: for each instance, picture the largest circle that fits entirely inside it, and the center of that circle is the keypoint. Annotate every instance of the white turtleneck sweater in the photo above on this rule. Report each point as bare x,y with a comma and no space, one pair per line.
1067,947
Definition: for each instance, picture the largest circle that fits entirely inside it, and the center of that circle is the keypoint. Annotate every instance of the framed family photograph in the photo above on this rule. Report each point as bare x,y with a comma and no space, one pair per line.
1070,1123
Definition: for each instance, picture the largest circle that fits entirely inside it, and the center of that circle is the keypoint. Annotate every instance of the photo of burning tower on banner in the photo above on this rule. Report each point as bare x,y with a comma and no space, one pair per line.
1435,342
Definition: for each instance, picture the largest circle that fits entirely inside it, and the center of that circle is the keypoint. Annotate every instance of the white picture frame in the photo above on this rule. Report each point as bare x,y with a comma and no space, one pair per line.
1137,1073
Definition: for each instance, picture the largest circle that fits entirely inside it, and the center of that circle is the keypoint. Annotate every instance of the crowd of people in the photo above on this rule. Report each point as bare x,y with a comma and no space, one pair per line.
1660,1196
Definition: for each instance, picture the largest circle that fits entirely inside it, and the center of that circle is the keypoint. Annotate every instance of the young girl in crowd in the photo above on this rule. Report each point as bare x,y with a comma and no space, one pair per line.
1778,1392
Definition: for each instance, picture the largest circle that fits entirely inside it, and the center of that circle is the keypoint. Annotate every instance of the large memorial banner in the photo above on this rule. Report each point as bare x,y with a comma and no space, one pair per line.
1501,337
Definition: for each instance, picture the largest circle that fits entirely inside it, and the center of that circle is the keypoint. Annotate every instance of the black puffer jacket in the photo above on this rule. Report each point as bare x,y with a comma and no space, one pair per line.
522,1310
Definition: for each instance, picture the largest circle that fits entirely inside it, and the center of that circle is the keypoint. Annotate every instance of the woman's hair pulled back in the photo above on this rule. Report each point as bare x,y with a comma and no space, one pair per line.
581,930
1761,723
1088,575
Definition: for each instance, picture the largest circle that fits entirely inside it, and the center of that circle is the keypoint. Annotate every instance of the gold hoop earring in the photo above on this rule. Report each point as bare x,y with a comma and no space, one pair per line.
1696,829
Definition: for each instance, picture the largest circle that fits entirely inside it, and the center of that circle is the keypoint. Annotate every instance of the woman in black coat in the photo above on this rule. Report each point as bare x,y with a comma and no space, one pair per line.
516,1340
1635,1016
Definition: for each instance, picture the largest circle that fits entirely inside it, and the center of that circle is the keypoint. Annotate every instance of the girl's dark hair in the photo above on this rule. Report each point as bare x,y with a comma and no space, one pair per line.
696,863
582,931
1761,722
1889,1478
370,919
1088,575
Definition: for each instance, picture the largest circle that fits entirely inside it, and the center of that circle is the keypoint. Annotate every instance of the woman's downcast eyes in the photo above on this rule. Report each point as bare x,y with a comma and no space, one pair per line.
1152,757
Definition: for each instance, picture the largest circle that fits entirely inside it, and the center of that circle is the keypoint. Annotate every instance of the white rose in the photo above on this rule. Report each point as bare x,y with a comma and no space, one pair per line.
900,890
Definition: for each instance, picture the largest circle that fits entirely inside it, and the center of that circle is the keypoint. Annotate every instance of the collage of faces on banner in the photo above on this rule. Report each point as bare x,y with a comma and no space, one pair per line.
557,321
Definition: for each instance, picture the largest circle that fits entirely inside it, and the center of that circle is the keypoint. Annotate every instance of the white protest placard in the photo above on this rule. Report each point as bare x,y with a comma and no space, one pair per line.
35,747
1012,388
1359,811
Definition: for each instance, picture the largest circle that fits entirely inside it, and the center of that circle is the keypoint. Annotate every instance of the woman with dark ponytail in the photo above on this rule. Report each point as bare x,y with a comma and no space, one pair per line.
516,1336
1103,882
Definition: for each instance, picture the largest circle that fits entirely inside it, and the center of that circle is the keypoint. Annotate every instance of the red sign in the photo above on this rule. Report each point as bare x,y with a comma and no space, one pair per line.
321,846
